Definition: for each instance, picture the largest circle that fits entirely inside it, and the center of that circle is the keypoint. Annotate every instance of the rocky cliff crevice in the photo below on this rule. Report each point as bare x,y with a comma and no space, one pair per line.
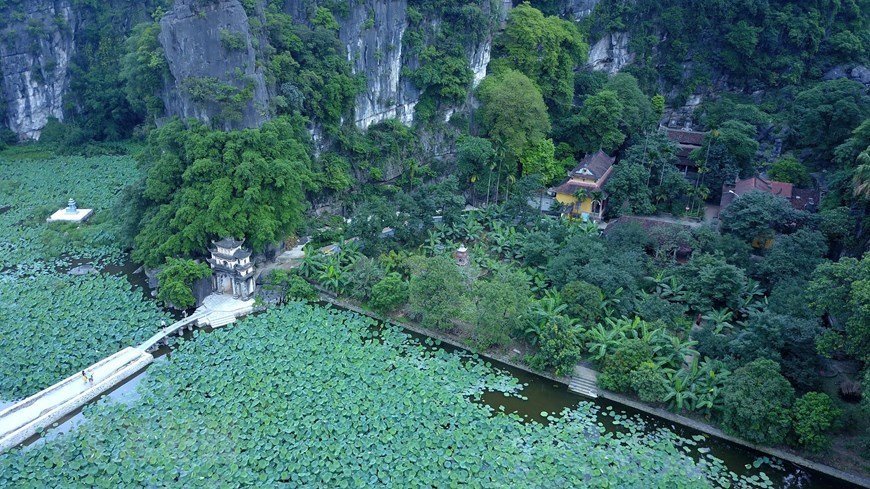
577,9
372,35
213,65
611,53
34,62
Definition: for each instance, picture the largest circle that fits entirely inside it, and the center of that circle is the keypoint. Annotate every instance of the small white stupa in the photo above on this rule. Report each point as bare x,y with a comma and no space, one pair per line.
71,213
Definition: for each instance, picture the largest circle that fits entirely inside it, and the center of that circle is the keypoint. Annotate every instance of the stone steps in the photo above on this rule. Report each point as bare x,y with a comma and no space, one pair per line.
584,387
584,382
218,321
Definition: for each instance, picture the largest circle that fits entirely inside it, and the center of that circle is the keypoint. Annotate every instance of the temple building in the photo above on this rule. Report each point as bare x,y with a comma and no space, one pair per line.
583,192
233,269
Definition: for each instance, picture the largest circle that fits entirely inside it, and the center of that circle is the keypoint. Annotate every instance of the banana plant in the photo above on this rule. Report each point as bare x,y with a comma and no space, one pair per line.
675,353
312,263
433,245
603,340
710,382
471,229
680,391
609,301
544,312
333,278
720,319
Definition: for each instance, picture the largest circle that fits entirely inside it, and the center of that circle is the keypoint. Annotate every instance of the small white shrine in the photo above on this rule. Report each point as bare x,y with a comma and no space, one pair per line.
71,214
233,269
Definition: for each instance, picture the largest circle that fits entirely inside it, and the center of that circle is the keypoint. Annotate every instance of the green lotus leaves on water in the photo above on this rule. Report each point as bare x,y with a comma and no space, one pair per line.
317,407
36,188
52,326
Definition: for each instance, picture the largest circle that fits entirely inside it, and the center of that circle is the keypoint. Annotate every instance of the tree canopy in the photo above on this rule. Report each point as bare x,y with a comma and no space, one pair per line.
546,49
205,184
513,112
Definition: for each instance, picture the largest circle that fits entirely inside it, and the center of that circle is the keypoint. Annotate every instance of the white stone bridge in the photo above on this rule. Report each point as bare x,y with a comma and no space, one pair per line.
27,417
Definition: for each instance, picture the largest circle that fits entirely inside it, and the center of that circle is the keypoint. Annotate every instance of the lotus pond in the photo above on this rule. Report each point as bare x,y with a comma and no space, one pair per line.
53,324
315,397
30,190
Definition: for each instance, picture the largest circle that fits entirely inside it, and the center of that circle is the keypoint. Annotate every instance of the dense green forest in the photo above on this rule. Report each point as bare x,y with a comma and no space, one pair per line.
743,322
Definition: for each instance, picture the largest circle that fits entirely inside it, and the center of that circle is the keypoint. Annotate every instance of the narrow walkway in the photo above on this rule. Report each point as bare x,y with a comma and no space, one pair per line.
25,418
170,330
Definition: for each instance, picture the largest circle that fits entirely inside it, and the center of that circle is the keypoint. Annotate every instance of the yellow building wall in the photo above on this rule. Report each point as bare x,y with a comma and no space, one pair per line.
585,206
565,199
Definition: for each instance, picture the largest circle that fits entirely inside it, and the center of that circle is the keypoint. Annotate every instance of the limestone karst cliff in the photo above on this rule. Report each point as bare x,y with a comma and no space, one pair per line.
34,61
215,60
204,66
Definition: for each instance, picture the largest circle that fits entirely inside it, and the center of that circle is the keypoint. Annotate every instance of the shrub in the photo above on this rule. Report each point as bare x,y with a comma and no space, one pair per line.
389,294
616,375
756,401
813,414
176,281
649,383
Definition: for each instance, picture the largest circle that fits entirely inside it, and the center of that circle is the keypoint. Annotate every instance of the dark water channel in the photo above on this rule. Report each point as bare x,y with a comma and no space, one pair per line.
544,395
541,395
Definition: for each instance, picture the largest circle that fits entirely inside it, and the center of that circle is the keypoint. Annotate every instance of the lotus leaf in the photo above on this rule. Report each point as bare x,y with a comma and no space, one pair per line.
343,420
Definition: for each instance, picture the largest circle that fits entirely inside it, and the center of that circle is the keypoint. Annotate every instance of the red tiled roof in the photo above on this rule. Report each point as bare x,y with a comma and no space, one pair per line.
688,138
597,164
570,188
803,197
777,188
800,198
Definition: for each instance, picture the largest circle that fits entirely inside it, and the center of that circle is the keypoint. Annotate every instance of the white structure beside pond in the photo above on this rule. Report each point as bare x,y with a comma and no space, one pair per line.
71,214
233,269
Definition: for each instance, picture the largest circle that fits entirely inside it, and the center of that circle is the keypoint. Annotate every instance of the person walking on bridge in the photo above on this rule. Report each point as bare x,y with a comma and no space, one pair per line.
163,324
84,377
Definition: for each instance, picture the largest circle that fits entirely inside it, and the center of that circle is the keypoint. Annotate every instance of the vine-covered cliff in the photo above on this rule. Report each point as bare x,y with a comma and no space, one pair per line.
236,64
110,67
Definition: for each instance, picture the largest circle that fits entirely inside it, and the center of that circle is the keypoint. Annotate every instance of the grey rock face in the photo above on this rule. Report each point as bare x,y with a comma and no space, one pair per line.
34,61
376,51
578,9
860,74
372,35
610,53
194,37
